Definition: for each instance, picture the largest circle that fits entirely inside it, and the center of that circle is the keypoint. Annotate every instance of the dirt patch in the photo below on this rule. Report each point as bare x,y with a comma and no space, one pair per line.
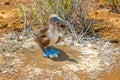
109,24
84,61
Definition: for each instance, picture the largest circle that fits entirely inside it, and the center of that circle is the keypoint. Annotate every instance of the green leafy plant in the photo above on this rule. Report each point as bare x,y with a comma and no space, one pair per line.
20,8
16,47
119,39
5,48
11,46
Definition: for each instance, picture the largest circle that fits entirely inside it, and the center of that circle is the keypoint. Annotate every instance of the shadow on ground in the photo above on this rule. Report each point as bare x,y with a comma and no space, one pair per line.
63,57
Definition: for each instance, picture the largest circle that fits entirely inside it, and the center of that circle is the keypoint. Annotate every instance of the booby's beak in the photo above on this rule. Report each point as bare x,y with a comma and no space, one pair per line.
58,20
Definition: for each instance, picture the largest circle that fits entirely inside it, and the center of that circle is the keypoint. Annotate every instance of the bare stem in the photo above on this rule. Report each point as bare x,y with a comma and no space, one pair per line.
25,20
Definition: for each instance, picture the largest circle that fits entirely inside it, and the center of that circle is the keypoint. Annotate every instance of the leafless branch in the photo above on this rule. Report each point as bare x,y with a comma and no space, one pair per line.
25,20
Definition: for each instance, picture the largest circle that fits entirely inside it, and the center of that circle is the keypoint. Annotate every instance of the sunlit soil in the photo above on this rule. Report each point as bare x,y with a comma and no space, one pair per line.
87,60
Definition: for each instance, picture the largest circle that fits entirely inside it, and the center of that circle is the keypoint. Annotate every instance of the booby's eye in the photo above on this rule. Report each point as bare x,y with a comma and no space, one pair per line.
55,19
57,23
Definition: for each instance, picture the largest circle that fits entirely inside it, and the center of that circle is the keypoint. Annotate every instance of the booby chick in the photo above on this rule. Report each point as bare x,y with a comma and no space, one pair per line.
47,36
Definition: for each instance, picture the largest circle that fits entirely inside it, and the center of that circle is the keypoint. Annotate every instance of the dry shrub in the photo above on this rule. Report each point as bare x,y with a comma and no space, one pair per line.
76,12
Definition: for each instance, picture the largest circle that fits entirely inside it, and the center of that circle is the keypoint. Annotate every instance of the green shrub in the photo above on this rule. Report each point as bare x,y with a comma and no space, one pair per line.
5,48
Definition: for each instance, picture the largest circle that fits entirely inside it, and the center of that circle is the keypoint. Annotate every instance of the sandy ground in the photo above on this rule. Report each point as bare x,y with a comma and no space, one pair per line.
93,59
86,61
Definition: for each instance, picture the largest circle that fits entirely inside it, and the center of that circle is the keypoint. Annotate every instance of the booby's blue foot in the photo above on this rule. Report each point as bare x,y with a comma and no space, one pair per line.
51,53
52,50
47,53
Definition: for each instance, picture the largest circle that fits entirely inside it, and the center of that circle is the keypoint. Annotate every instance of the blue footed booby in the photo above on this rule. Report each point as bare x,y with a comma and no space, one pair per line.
47,36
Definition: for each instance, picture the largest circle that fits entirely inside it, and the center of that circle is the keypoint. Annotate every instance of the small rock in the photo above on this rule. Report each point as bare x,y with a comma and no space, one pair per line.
20,38
4,71
89,45
114,41
7,3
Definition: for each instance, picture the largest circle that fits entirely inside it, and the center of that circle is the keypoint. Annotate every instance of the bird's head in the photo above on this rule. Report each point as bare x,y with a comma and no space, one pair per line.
55,20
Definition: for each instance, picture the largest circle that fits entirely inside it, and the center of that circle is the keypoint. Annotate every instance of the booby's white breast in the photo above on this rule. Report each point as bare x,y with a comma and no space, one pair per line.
53,37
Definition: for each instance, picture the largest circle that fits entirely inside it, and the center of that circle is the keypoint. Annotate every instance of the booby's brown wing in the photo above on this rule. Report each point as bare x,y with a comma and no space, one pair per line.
42,37
59,39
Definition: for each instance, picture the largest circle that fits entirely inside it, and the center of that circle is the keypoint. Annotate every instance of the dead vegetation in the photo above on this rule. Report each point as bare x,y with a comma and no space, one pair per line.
75,13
